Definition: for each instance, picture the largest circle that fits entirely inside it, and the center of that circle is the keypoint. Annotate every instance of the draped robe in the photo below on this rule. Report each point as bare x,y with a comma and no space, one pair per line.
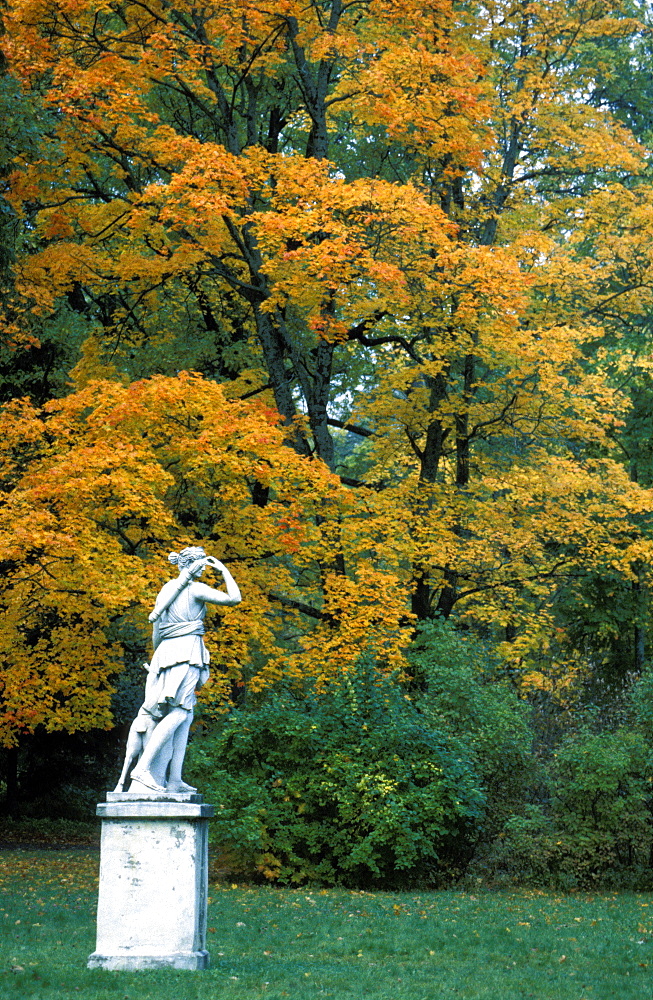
181,660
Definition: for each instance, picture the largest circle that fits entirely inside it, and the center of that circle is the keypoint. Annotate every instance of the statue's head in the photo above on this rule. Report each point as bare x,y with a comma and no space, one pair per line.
187,556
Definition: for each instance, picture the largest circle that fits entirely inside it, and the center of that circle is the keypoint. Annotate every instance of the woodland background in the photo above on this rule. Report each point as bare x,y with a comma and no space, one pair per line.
358,296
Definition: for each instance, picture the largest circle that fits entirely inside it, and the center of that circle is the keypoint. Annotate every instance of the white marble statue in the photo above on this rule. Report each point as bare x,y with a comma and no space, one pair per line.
180,665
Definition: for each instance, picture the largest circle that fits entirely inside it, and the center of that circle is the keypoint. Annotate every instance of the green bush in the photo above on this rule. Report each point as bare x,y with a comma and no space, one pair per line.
344,785
601,801
527,852
640,703
597,829
461,695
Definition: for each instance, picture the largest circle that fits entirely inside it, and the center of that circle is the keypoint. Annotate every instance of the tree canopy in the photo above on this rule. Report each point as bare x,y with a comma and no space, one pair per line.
355,294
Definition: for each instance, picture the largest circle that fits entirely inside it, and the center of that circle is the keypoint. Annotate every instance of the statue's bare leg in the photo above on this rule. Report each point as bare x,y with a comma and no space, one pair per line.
163,733
136,743
134,748
159,766
180,740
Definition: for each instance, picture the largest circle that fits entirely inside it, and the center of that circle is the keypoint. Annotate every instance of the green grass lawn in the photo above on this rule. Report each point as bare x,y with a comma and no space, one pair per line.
302,944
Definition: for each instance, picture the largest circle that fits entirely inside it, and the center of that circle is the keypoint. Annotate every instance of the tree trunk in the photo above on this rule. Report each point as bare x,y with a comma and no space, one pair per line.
430,459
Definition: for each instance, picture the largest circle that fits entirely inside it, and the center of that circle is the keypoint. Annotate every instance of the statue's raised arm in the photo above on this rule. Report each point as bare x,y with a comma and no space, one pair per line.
179,667
212,596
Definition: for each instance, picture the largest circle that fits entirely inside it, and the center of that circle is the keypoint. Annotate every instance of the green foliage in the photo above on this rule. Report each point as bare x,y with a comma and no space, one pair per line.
580,819
640,702
461,696
597,829
41,369
527,850
601,801
601,781
599,614
346,784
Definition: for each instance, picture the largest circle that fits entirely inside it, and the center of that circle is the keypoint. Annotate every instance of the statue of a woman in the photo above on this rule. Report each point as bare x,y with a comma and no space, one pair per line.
179,667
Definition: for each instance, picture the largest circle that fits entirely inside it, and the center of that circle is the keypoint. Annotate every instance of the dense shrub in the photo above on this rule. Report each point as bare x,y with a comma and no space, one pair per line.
348,784
364,785
640,704
580,817
597,829
602,791
461,694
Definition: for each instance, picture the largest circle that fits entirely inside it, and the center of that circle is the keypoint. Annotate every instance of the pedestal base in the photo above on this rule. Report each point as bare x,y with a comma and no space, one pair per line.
128,963
153,882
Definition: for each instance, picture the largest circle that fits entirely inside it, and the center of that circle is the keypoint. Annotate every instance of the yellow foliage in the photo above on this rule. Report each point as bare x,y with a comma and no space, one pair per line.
429,248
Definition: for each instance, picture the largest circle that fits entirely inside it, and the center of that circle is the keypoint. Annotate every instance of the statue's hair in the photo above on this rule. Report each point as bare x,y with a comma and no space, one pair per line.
186,556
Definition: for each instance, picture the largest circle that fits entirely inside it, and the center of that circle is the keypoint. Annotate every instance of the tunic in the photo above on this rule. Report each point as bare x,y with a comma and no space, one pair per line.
181,660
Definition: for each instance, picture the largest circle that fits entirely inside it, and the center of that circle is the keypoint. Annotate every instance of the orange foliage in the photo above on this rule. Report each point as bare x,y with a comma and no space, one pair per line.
370,183
97,488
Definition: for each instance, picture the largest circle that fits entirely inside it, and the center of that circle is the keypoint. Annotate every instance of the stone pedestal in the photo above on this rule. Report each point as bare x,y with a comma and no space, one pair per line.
153,882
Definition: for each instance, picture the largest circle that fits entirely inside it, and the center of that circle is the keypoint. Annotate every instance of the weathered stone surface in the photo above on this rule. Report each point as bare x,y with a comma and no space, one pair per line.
133,963
153,882
157,809
153,797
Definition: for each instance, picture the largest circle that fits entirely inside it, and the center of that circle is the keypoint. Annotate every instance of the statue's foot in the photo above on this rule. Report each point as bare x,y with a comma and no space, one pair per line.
120,787
179,786
145,779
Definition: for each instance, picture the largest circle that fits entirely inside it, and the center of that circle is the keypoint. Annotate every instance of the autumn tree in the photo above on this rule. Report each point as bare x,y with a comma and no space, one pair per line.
376,218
